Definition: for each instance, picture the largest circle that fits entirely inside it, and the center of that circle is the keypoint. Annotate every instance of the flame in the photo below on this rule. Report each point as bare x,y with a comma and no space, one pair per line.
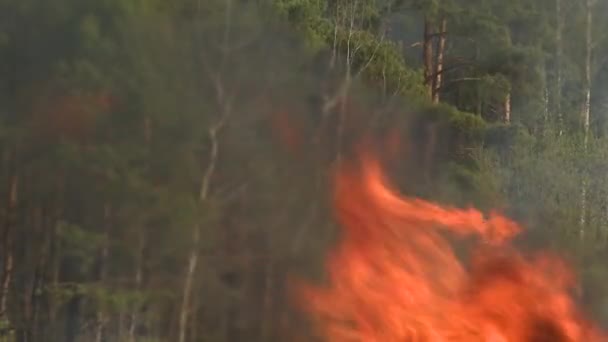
395,277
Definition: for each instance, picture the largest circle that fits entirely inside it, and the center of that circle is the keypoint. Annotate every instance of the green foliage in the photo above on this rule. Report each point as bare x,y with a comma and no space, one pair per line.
307,17
80,246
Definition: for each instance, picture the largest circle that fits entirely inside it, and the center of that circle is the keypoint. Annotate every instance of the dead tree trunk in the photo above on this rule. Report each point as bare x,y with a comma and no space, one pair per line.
225,107
196,233
586,113
558,66
546,109
507,107
439,61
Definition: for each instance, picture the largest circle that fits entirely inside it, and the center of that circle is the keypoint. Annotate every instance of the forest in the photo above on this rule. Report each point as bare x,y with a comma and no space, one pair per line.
165,165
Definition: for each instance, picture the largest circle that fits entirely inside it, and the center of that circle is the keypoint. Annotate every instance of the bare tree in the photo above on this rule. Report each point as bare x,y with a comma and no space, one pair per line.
225,107
586,111
439,61
346,14
558,65
507,107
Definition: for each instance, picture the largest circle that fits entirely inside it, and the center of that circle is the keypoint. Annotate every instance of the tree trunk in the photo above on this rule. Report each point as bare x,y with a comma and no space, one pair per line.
507,107
587,82
102,271
439,62
478,88
141,247
138,278
188,281
546,109
558,66
344,89
427,56
194,249
38,257
40,295
586,114
7,235
40,278
225,107
54,259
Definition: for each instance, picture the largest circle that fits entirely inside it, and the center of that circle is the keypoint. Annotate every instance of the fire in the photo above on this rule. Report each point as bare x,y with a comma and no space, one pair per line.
394,275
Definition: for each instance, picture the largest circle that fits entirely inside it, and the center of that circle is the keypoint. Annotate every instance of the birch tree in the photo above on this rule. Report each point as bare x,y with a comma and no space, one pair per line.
586,109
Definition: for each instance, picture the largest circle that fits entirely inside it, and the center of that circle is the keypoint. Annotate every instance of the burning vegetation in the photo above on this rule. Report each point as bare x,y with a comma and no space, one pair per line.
394,276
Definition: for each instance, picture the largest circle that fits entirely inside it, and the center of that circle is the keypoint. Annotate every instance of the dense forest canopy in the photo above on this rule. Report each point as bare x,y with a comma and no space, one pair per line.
164,165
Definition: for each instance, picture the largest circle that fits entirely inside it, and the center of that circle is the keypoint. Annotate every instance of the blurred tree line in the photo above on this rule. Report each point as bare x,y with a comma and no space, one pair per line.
164,165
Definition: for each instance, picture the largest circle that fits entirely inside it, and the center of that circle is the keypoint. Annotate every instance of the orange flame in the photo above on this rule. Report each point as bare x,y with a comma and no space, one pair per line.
395,277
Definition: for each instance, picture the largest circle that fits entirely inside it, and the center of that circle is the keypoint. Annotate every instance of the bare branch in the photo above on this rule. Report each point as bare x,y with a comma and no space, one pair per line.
225,104
371,58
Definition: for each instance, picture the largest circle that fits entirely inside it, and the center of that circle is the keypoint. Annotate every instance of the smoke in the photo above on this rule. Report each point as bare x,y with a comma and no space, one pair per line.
104,77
